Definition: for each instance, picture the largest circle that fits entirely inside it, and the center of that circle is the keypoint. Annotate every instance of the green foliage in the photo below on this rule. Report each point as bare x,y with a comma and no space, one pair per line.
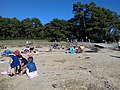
110,38
93,21
57,28
89,20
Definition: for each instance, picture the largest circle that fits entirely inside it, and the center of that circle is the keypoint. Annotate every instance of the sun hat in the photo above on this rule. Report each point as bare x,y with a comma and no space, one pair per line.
17,52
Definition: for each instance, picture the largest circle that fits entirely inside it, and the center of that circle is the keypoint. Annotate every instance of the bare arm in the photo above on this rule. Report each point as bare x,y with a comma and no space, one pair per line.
10,61
22,64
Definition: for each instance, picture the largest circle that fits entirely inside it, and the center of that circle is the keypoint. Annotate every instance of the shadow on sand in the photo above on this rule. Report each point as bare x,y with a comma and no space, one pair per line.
115,56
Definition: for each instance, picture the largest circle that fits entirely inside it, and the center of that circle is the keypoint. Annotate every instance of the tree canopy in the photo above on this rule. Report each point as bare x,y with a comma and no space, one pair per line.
89,21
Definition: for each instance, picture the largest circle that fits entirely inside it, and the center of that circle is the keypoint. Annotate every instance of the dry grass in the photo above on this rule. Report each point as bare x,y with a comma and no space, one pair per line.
34,42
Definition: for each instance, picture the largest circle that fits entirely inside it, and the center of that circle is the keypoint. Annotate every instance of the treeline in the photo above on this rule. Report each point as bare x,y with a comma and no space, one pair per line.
89,22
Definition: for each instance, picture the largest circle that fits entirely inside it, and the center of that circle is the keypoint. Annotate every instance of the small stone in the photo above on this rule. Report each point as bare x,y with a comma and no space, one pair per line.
90,71
87,57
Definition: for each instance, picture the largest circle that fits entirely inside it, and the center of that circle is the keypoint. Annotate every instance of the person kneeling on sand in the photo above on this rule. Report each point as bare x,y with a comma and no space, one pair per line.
23,62
30,68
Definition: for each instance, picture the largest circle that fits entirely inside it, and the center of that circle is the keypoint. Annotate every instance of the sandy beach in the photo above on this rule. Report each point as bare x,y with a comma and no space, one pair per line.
58,70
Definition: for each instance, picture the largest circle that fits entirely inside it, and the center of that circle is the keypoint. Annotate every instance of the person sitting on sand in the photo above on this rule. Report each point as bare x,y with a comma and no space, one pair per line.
72,50
81,48
31,52
30,68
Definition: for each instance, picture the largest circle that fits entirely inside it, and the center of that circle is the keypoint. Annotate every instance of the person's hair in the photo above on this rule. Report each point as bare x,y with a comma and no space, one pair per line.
30,59
20,56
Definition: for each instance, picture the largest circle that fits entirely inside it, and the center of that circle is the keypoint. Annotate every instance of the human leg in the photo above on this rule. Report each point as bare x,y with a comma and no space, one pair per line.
31,74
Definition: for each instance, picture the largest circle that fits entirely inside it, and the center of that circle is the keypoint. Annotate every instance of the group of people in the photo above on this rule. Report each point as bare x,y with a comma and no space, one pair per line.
75,49
20,65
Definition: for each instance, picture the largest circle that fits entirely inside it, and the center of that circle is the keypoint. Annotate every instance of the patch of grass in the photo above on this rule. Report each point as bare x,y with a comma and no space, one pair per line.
34,42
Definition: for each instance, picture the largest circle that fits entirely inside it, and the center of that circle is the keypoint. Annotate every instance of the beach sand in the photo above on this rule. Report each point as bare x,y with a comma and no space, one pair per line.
58,70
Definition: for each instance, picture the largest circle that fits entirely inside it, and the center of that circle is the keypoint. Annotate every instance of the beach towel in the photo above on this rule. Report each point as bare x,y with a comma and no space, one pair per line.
4,73
4,61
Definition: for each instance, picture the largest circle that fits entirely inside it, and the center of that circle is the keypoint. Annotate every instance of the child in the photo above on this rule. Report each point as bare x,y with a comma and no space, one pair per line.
81,48
72,50
17,53
14,64
23,62
30,68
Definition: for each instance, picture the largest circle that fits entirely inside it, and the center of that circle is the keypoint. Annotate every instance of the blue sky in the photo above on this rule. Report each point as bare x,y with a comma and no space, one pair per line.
46,10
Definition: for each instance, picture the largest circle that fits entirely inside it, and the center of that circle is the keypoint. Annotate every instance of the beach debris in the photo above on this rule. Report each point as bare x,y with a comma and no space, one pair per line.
93,49
58,74
115,56
90,71
2,47
62,61
116,49
103,46
55,85
28,42
82,68
91,87
87,57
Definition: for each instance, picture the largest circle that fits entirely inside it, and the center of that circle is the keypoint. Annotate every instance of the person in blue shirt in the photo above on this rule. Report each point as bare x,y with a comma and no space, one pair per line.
30,68
15,65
